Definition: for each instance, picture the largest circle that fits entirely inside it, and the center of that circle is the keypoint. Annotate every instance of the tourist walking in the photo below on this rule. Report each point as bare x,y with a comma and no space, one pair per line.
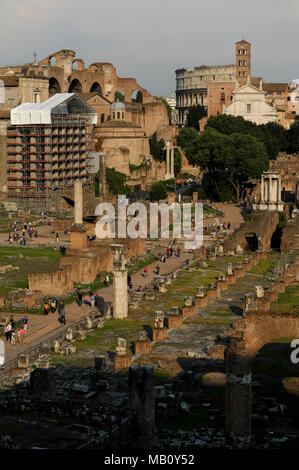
8,331
79,297
46,309
21,332
92,301
13,338
25,323
107,280
61,310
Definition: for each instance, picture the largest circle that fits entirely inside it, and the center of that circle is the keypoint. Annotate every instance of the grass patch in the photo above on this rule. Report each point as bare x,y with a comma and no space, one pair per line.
264,267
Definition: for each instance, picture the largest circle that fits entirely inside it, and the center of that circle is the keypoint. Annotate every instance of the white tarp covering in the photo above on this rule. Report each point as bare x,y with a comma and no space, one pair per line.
40,113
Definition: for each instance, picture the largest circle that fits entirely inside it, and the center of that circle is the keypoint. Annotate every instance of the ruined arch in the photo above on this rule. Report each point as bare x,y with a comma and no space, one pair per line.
119,95
52,61
54,86
96,87
137,96
75,86
75,65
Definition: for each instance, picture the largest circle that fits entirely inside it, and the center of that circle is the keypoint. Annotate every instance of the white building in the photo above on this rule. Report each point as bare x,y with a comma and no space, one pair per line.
250,103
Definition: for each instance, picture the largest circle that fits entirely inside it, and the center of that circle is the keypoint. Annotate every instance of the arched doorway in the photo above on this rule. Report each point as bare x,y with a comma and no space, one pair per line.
54,86
136,96
102,117
96,87
75,86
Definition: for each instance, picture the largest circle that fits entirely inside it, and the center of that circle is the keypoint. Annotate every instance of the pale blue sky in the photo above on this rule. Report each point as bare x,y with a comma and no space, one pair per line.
148,40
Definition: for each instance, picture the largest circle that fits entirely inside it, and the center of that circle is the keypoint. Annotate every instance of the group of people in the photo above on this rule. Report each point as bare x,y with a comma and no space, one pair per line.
90,299
28,229
14,333
169,252
53,306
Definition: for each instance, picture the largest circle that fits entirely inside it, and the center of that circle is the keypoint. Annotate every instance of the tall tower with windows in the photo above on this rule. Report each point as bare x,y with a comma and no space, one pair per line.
243,61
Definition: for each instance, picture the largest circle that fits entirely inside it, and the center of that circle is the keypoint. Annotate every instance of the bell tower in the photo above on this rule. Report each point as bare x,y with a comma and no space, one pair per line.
243,61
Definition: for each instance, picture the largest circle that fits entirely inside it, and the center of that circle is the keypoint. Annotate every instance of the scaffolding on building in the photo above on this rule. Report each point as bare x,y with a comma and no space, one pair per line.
48,158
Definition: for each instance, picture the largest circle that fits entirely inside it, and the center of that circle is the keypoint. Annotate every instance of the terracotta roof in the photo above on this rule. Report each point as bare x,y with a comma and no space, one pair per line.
275,87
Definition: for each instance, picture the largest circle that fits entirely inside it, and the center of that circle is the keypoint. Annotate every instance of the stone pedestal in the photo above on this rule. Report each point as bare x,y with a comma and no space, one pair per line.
23,361
174,321
142,346
201,302
78,237
122,361
159,333
188,311
211,293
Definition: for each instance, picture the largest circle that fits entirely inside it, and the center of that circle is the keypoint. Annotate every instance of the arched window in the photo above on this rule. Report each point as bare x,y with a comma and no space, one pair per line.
75,86
222,97
52,61
54,86
103,117
96,87
136,96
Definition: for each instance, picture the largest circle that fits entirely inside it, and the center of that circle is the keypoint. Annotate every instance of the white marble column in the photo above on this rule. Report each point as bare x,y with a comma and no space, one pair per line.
262,189
120,283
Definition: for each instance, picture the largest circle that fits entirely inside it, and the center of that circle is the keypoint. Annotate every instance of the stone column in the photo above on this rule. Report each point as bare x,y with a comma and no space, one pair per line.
238,392
142,399
78,201
172,163
262,189
102,175
120,283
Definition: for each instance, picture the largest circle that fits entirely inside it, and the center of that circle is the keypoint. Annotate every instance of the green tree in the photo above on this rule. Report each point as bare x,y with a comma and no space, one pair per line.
157,149
234,157
177,161
116,182
168,107
293,137
194,115
158,191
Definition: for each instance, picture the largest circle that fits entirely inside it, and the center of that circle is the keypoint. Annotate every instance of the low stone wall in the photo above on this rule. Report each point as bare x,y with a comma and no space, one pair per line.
290,236
56,283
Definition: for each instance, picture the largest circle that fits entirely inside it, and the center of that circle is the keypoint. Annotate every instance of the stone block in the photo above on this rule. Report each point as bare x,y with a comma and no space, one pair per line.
80,335
23,361
122,362
159,333
143,346
188,311
175,321
201,302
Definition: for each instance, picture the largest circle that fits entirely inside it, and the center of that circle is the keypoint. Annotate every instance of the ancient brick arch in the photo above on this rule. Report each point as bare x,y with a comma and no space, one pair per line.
257,332
54,86
75,86
96,87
